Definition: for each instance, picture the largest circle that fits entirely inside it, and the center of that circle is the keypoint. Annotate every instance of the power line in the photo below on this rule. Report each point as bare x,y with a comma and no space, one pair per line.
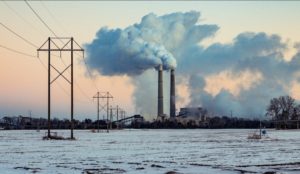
21,17
90,74
25,54
16,34
53,16
38,16
19,36
27,41
82,91
30,43
19,52
85,63
45,24
60,41
35,46
16,51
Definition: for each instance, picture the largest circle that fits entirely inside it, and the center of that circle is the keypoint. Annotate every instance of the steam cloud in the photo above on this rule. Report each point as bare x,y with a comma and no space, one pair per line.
130,51
175,40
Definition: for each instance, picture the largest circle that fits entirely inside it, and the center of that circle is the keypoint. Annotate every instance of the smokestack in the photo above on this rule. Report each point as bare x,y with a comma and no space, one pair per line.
172,94
160,104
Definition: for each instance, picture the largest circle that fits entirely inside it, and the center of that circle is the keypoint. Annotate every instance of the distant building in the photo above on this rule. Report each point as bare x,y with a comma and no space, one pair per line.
24,120
194,113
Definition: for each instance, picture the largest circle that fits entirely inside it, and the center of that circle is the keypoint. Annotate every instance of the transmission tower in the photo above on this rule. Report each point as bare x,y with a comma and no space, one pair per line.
68,47
112,109
117,116
107,96
111,115
97,96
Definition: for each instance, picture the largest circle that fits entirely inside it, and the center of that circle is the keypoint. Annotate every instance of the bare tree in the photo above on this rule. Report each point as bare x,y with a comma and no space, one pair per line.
282,109
296,115
287,104
274,108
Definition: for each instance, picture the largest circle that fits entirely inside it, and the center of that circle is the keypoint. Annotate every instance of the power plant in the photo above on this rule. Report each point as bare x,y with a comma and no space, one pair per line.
160,101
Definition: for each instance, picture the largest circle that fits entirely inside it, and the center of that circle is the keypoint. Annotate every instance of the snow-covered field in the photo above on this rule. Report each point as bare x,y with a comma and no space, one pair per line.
199,151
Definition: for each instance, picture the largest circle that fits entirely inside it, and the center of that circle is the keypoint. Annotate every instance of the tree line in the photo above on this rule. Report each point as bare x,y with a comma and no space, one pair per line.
282,113
216,122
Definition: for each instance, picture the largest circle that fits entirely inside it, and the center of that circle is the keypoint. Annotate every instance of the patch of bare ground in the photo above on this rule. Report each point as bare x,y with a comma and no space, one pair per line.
157,166
172,172
31,169
270,172
197,164
104,171
140,168
134,163
243,171
117,162
268,165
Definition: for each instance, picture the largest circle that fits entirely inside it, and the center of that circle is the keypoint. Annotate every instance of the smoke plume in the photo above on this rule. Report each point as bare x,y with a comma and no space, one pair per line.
130,51
241,76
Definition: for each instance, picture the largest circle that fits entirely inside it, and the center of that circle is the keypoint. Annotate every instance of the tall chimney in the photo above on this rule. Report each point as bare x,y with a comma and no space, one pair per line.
160,104
172,94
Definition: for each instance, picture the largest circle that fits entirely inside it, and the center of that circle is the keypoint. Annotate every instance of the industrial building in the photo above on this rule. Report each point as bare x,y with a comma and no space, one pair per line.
195,113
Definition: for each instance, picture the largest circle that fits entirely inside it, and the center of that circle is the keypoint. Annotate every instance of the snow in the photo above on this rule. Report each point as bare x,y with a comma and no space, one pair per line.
199,151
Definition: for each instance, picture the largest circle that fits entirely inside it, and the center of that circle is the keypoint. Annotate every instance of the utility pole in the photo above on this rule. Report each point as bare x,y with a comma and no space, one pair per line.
98,97
123,117
69,43
110,122
98,111
260,129
30,119
117,117
49,87
123,114
72,92
117,112
107,110
298,122
107,96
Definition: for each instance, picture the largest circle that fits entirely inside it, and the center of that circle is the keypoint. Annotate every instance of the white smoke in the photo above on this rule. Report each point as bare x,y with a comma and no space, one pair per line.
175,40
128,51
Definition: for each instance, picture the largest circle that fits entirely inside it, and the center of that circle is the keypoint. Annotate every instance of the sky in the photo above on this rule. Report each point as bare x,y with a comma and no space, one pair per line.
23,80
